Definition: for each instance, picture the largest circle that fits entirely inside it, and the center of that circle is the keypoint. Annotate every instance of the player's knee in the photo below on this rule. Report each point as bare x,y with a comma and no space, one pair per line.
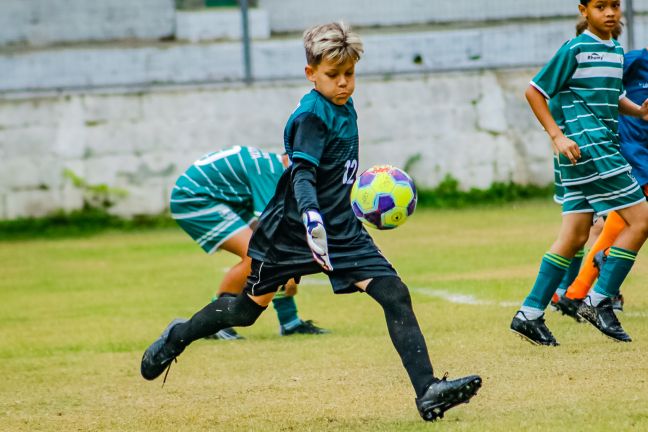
245,311
640,227
389,290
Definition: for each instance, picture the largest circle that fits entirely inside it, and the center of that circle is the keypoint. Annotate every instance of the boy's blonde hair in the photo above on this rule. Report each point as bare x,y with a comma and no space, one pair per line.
335,42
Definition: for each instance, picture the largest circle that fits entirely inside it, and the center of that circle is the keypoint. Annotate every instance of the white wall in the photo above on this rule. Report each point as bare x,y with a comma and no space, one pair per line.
296,15
46,22
386,52
474,125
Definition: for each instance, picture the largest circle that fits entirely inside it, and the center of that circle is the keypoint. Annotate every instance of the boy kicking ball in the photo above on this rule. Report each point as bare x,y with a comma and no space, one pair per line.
309,227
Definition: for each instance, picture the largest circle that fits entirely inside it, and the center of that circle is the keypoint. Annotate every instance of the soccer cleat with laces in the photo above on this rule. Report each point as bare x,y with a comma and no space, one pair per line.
158,356
603,318
305,327
535,331
569,307
225,334
443,395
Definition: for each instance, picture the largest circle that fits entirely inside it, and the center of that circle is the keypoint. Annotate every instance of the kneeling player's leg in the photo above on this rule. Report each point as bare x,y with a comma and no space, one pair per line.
234,280
392,294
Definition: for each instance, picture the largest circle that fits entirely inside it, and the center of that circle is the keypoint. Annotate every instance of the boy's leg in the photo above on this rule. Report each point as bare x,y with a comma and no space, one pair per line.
571,274
613,226
225,312
234,282
597,307
394,297
433,396
629,201
528,321
242,310
289,321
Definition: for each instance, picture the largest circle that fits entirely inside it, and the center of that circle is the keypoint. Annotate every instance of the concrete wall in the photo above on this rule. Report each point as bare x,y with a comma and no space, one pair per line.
295,15
173,63
210,24
474,125
47,22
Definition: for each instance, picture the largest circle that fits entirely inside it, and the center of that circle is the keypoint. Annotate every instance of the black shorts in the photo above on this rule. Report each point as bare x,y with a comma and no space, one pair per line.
267,278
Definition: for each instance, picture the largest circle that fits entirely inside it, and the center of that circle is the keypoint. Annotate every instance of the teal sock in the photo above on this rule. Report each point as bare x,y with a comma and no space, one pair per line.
571,274
286,310
616,268
552,270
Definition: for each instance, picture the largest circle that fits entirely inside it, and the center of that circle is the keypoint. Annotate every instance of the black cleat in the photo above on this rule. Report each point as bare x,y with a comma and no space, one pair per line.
158,356
569,307
535,331
226,334
306,327
443,395
603,318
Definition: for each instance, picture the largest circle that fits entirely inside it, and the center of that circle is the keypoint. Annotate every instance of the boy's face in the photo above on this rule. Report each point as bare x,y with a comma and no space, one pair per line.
602,16
336,82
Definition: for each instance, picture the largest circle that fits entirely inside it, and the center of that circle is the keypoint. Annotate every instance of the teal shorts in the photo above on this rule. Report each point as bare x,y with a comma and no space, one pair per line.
603,196
211,222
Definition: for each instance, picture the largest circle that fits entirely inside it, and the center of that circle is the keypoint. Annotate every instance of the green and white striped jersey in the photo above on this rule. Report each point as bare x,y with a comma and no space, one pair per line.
583,82
238,176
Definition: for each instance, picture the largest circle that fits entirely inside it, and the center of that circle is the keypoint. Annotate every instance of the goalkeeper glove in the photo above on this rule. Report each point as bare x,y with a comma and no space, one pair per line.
316,237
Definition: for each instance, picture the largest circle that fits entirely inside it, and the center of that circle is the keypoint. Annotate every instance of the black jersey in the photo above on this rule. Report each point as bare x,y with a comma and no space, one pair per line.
326,136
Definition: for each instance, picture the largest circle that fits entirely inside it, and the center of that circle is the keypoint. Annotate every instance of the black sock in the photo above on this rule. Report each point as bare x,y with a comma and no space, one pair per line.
226,311
392,294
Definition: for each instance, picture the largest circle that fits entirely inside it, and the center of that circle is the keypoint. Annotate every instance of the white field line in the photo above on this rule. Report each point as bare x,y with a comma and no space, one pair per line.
467,299
448,296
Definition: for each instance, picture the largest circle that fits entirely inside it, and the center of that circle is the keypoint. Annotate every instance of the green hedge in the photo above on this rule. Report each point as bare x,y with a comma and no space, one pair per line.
90,221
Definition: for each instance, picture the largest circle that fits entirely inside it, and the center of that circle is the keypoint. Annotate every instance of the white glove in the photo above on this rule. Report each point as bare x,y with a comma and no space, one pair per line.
316,237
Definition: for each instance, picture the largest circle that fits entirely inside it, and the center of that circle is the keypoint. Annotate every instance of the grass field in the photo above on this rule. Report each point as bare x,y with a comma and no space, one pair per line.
76,315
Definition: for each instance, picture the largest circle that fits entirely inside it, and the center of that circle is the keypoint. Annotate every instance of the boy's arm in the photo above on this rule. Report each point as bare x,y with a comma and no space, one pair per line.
303,177
309,140
560,142
627,107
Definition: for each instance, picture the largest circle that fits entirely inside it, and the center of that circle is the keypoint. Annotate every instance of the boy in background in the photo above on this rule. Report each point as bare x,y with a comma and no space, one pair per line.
583,83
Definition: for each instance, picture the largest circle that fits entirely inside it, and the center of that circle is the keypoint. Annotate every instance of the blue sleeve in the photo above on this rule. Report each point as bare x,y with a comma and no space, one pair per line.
309,138
630,65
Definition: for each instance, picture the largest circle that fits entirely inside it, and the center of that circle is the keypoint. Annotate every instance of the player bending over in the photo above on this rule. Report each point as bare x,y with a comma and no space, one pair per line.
216,201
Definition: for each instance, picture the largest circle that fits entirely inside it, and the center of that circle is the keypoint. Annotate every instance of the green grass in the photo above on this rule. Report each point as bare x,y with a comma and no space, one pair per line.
77,313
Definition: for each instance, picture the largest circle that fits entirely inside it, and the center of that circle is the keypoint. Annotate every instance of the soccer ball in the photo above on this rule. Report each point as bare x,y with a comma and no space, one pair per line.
383,197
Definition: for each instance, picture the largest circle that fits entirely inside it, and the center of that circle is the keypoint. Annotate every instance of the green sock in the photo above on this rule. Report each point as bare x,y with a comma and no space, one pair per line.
572,272
616,268
552,270
286,310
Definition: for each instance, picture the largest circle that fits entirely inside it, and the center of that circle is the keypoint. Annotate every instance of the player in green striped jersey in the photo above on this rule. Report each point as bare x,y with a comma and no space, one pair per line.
583,83
217,201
